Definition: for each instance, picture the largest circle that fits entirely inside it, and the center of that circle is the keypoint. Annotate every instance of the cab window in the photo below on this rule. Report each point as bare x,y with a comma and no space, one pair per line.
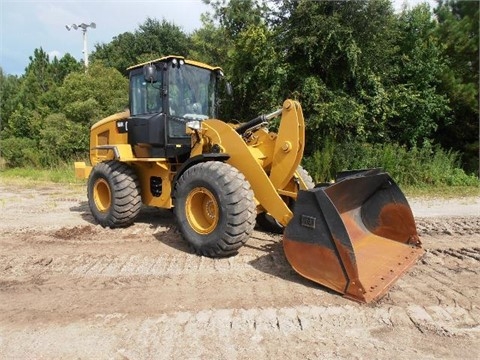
145,96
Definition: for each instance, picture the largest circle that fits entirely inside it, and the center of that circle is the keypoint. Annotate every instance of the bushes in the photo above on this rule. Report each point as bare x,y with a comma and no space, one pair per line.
426,165
60,141
52,127
19,152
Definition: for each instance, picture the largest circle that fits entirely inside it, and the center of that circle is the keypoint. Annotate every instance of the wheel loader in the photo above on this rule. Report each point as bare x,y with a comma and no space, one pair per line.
356,235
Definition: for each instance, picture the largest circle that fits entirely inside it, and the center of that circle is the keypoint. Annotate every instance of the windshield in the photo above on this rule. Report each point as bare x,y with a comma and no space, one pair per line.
192,92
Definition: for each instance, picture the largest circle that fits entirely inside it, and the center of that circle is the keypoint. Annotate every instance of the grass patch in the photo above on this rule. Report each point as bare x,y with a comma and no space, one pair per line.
444,192
62,174
65,174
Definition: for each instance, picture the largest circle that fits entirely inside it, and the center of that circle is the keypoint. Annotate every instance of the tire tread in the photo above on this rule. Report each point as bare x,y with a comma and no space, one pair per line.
240,208
125,192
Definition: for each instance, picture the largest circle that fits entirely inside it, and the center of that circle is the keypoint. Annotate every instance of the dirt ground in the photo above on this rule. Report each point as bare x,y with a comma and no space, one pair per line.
70,289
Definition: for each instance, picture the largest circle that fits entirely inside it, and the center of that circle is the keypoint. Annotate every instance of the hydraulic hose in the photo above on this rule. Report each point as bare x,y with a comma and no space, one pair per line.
258,120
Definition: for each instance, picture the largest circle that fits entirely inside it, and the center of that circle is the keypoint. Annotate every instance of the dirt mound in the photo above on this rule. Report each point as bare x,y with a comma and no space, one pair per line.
75,232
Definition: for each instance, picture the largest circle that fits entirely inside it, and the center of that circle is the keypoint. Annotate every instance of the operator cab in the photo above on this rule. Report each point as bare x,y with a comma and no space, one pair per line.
165,94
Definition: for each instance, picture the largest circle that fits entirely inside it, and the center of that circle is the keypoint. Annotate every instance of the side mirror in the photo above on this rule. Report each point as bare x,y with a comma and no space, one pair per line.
150,73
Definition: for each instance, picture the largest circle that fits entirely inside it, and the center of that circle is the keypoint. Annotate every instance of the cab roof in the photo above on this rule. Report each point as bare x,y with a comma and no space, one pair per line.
171,57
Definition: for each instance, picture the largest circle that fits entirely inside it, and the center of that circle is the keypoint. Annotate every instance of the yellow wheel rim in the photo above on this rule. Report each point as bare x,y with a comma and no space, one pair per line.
202,211
102,195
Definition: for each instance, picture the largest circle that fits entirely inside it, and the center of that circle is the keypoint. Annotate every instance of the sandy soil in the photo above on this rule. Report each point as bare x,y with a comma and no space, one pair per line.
70,289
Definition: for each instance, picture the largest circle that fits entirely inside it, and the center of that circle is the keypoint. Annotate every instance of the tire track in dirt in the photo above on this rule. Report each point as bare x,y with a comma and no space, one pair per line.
469,225
325,332
139,292
445,276
103,264
93,265
436,280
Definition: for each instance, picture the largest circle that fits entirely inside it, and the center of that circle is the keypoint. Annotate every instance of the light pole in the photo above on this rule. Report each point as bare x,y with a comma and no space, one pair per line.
84,27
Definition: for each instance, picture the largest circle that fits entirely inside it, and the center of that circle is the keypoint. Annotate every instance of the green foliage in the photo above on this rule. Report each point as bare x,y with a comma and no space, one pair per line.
83,111
208,43
419,166
9,87
153,39
320,165
458,33
66,65
363,74
33,95
254,70
19,152
247,48
23,123
418,108
59,140
334,114
62,140
26,175
56,127
236,16
91,96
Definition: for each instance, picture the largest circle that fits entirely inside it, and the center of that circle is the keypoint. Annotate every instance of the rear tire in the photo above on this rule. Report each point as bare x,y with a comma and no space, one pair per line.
267,222
114,194
215,208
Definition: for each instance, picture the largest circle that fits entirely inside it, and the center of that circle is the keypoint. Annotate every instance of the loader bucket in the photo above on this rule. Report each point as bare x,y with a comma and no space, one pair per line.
356,236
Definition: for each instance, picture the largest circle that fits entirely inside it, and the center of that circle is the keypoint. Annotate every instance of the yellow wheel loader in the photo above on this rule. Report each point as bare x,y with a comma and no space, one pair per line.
168,150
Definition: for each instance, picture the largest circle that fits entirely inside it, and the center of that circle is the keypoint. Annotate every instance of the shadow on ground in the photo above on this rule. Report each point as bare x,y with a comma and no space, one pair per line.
273,261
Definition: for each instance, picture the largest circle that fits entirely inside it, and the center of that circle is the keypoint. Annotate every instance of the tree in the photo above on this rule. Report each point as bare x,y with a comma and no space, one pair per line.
9,87
151,40
363,73
245,45
37,80
120,53
339,56
458,32
257,72
62,139
88,97
417,105
66,65
236,16
24,104
209,43
57,120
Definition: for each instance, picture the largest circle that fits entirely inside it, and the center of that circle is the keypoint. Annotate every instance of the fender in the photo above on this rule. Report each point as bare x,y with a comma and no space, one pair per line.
121,152
223,157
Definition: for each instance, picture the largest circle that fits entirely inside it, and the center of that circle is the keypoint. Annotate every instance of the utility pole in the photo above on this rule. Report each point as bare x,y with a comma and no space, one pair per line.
84,27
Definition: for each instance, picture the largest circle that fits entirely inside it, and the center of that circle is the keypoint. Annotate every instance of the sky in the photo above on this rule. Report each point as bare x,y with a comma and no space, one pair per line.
29,24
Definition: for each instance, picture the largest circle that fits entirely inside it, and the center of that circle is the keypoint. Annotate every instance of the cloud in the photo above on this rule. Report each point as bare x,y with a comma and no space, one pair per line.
55,53
399,5
56,15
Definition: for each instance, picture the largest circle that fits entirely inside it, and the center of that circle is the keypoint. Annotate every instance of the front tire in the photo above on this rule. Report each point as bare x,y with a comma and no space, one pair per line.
215,208
114,194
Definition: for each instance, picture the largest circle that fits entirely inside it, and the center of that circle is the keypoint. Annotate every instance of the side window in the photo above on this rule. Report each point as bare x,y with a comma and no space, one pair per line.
137,94
145,96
